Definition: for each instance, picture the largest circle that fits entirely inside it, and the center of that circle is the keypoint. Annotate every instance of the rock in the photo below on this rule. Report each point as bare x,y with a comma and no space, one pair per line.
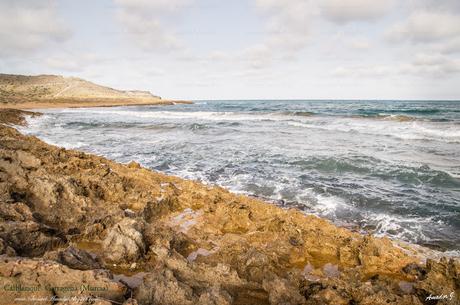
163,288
415,270
215,296
102,302
280,291
45,279
130,302
330,296
29,238
124,242
78,259
28,161
5,249
442,279
17,211
129,213
134,165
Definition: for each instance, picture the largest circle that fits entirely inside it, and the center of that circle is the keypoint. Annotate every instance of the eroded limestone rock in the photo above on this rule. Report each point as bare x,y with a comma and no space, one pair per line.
32,278
78,259
124,242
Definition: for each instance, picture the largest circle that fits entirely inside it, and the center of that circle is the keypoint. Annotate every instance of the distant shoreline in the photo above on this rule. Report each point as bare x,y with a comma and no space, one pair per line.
54,91
88,104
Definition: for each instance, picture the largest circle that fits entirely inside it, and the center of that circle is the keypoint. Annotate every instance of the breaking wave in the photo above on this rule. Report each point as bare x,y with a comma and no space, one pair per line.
390,167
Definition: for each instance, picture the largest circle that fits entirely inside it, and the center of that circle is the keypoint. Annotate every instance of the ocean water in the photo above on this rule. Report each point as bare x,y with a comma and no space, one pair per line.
389,167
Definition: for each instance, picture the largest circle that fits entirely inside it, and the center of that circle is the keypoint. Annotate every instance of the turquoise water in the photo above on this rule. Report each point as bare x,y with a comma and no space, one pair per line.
390,167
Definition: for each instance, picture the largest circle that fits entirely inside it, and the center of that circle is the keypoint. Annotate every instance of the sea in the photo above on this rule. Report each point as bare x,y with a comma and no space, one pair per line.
387,167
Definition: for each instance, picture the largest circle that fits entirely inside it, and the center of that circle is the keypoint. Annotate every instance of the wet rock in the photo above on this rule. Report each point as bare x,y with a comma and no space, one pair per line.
29,238
415,270
78,259
442,279
16,116
124,242
330,270
406,287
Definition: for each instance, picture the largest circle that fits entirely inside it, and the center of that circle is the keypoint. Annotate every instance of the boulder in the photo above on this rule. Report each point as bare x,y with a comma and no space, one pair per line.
78,259
124,242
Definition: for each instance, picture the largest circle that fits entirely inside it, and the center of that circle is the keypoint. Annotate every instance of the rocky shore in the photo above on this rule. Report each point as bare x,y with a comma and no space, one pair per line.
81,229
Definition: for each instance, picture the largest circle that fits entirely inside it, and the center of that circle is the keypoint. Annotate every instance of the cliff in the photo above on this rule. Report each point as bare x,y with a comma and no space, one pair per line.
70,220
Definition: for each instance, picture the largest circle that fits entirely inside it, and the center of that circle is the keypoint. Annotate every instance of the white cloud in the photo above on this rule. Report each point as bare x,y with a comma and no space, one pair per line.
289,22
363,71
341,11
288,25
148,5
360,44
27,25
142,20
425,26
73,61
423,65
433,64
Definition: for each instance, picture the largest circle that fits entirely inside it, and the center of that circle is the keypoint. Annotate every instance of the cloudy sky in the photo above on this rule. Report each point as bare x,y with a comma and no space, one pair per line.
216,49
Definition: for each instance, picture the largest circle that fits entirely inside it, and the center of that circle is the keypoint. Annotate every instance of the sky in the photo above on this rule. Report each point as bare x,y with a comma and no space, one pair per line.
241,49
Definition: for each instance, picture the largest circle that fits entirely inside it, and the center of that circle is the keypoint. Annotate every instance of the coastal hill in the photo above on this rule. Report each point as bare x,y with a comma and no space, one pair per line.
46,91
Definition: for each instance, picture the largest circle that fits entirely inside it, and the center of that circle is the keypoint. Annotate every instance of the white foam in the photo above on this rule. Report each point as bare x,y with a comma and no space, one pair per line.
403,130
177,115
327,204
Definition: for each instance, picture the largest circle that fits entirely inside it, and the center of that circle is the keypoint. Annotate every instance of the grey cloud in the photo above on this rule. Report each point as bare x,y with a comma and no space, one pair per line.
440,5
450,47
340,11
